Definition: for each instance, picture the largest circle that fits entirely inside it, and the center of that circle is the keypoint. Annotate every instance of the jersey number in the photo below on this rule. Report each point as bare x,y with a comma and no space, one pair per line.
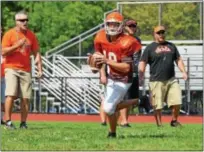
110,56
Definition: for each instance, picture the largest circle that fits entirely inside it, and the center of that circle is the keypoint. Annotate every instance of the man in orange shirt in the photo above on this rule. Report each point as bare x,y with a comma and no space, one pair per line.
117,49
17,45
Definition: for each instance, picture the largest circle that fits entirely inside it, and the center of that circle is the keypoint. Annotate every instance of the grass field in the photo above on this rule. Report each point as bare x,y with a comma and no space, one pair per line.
91,136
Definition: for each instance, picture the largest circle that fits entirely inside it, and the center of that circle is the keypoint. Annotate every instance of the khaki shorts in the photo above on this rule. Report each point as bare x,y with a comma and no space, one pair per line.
165,91
18,83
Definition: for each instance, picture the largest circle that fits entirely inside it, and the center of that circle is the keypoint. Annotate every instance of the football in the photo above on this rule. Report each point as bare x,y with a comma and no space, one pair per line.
93,62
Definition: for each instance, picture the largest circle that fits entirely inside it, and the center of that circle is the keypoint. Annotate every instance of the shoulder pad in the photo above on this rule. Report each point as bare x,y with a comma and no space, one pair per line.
100,35
126,41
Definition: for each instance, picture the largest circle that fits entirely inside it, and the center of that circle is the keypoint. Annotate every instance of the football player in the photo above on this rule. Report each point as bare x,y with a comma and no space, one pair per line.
117,49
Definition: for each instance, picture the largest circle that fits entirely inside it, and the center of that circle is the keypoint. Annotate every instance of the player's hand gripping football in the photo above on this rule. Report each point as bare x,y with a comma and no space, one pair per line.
93,61
101,60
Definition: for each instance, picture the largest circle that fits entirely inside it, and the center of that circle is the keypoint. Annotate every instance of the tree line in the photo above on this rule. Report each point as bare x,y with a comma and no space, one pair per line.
58,22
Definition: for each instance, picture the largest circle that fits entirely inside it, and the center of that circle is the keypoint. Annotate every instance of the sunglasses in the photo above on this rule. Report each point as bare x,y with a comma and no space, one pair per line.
160,32
132,26
22,20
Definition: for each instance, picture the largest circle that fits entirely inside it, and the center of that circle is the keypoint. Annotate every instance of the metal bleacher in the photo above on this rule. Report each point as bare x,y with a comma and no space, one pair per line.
195,67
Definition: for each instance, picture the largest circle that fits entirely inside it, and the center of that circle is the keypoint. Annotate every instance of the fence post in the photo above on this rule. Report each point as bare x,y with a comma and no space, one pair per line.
160,13
201,20
188,86
86,96
34,100
62,83
65,92
54,65
39,93
33,76
80,50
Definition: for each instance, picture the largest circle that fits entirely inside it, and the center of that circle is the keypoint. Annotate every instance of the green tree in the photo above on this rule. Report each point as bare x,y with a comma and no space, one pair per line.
57,22
181,19
146,17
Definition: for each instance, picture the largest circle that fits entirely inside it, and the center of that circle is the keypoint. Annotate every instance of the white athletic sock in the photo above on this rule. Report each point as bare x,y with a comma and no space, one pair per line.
8,123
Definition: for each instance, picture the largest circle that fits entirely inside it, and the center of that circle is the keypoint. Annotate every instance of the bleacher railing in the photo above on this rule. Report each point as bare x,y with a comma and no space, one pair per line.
69,85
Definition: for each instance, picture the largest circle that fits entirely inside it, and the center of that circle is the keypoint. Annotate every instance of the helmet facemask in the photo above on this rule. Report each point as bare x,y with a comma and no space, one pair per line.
113,27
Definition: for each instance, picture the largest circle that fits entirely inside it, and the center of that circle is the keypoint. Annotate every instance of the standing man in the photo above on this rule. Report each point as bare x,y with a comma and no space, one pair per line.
164,87
117,49
133,92
17,45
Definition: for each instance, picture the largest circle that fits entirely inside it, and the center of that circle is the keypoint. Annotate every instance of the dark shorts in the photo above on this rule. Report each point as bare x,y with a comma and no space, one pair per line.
133,91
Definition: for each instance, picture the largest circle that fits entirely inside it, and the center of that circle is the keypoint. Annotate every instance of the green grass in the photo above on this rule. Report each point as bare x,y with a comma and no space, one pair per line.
92,136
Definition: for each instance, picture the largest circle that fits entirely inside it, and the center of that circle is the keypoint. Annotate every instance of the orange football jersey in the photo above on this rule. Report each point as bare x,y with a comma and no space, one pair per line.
121,50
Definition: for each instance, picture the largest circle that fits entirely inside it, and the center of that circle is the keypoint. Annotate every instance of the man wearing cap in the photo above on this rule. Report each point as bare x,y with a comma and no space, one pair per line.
164,87
130,28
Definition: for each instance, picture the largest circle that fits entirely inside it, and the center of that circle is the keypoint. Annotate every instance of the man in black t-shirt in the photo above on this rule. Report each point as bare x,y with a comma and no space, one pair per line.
164,87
